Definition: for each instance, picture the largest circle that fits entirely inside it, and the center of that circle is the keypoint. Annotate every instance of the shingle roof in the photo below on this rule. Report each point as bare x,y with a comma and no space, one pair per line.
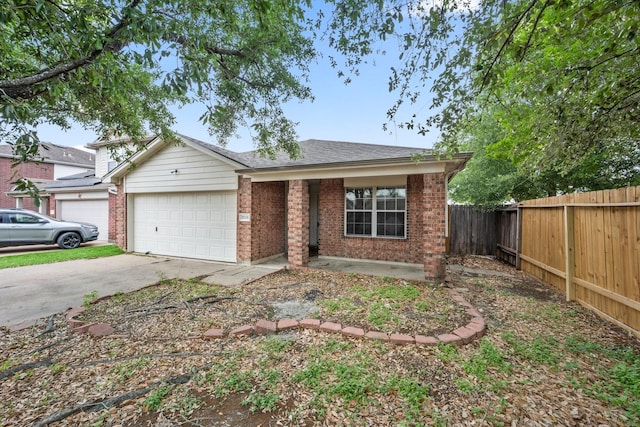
315,152
52,153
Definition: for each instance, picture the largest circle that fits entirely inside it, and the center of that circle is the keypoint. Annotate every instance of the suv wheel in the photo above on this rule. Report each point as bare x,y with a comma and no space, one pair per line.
69,240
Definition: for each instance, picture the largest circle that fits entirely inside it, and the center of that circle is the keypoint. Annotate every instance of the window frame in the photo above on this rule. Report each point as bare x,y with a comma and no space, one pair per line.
374,211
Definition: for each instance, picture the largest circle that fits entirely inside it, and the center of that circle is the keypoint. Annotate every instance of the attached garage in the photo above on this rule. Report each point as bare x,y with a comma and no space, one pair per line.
182,201
193,225
81,210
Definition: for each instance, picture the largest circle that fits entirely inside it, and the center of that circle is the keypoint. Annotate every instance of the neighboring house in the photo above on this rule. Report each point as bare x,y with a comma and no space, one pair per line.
83,197
346,200
56,162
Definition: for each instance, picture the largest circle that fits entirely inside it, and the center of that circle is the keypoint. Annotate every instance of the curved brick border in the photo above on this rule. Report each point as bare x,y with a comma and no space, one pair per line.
475,329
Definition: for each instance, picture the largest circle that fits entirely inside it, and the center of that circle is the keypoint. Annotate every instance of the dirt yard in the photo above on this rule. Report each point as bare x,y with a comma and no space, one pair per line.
541,362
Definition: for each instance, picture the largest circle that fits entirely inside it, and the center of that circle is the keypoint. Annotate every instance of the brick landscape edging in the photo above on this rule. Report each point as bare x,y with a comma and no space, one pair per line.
475,329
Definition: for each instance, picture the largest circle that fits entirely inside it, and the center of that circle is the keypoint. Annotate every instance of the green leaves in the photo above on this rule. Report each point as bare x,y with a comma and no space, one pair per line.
116,67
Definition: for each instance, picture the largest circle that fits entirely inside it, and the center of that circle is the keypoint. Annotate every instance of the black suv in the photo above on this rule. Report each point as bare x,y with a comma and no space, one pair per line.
24,227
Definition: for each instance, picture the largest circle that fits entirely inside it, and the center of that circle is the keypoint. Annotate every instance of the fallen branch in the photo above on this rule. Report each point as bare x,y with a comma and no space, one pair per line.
200,298
116,400
193,314
53,344
213,301
138,356
163,310
31,365
151,308
161,297
49,328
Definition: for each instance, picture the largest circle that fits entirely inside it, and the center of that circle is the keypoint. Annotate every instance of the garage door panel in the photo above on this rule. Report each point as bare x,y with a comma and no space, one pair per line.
92,211
192,225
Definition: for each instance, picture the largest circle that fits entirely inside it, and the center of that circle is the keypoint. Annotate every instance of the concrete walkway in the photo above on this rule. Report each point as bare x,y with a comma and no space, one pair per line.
34,292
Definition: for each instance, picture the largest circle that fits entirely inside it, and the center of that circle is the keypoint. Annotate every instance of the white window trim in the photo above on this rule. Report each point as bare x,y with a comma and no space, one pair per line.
374,211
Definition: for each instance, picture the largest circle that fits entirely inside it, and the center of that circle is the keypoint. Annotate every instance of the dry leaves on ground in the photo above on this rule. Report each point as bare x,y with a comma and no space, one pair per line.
542,362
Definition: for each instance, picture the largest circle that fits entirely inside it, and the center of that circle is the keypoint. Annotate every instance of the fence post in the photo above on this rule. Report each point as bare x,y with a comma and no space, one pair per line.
569,252
518,235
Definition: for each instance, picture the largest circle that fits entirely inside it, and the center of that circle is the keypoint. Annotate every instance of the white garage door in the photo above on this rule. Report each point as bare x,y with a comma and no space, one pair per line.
91,211
191,225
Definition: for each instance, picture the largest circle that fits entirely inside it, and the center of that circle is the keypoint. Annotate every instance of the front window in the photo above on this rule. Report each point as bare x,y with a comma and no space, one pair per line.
375,211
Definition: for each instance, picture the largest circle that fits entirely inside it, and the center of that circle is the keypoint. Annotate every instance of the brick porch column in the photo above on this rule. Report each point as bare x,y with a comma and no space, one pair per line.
434,226
298,222
243,234
118,214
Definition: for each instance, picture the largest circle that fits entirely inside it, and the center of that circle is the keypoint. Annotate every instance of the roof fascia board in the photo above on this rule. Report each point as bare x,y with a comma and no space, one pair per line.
213,154
411,168
123,168
82,189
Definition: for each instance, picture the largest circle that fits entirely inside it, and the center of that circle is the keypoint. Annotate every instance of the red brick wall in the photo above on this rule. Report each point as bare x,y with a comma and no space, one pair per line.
243,233
267,219
298,220
425,242
23,170
118,217
434,226
262,236
333,242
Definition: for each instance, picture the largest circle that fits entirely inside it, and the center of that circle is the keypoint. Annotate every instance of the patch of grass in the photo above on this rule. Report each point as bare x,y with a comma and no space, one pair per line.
90,298
275,345
153,402
338,304
619,384
264,397
264,402
446,352
381,315
487,356
126,370
57,368
185,403
350,377
543,349
414,395
465,385
60,255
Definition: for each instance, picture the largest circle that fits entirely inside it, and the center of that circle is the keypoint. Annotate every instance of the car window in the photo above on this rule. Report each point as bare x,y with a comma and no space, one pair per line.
20,218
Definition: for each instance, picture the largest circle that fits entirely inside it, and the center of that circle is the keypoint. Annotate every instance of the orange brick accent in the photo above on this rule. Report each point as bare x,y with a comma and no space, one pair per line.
434,226
298,220
264,235
243,232
118,217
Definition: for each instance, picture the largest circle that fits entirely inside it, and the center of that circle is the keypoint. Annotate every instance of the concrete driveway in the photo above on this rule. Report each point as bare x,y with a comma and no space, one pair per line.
31,293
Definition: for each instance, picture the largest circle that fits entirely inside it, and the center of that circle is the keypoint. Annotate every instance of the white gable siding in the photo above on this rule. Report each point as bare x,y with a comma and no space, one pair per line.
102,161
60,171
196,171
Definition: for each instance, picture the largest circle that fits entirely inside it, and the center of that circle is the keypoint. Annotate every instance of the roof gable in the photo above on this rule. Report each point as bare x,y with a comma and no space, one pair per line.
52,153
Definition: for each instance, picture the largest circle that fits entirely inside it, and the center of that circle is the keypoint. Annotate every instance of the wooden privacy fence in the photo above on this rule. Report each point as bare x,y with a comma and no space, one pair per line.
475,231
587,246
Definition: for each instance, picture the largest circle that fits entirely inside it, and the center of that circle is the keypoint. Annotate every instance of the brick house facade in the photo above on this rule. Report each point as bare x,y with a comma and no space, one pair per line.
287,207
56,161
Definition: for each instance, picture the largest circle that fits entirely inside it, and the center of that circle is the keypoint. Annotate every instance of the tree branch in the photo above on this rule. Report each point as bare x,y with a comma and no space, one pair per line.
22,88
506,42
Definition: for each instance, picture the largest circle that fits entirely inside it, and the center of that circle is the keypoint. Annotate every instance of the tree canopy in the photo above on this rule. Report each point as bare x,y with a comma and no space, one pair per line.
116,66
559,79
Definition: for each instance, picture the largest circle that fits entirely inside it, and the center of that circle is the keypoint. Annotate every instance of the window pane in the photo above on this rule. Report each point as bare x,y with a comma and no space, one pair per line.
359,223
390,224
